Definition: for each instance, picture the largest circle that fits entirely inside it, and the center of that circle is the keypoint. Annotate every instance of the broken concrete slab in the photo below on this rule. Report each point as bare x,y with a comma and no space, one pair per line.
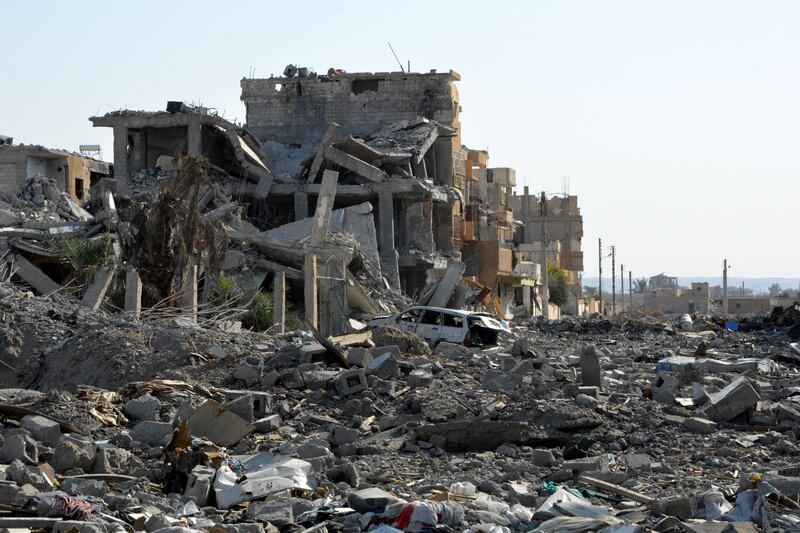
733,400
447,285
30,274
217,424
96,291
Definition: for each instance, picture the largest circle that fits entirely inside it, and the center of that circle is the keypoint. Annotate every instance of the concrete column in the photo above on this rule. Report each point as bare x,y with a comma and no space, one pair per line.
97,290
420,170
322,215
121,154
133,292
300,205
388,252
527,301
188,297
310,290
325,287
194,138
447,285
279,302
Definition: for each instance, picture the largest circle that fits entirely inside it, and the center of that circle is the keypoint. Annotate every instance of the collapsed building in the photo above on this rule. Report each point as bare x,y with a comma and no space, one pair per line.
398,137
72,173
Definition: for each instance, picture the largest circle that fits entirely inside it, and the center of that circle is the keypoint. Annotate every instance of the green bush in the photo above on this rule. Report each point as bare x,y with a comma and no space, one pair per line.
557,285
224,289
84,257
259,314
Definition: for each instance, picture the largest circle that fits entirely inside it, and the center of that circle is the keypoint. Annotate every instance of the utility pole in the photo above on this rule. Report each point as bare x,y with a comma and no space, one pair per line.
725,287
630,290
613,280
600,278
545,277
622,287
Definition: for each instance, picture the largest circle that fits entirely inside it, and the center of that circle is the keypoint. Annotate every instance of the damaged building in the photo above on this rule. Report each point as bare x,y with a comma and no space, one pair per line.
396,139
72,173
564,227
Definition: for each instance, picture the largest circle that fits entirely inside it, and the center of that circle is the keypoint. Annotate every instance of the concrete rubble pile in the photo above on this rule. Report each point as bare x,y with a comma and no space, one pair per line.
156,375
165,424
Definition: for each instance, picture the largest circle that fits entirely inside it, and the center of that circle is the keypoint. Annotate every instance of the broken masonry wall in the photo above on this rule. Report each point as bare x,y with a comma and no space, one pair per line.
298,110
72,172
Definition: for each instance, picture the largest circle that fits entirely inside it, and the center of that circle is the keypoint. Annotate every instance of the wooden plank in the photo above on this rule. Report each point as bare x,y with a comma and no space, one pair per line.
616,489
354,164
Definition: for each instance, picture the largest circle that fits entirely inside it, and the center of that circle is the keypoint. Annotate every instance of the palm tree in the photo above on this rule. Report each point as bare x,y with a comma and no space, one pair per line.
640,285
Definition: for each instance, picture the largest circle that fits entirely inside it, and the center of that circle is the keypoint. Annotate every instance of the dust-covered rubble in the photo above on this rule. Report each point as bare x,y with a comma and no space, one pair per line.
114,423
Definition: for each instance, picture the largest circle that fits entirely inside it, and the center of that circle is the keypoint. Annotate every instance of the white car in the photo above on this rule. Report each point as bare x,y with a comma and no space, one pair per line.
437,324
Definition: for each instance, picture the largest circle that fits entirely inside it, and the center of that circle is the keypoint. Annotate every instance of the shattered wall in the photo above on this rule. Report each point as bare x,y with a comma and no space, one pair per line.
564,224
292,110
71,172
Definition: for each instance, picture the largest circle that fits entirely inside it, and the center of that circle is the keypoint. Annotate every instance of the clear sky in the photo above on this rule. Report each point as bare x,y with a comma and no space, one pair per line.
676,122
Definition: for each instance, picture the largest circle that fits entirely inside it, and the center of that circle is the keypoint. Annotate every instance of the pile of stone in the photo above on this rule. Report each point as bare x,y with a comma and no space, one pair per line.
42,194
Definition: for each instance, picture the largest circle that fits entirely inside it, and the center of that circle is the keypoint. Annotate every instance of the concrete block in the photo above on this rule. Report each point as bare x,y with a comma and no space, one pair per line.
342,435
318,379
25,475
501,381
42,429
678,506
243,406
311,449
664,388
381,386
111,461
12,494
523,367
351,382
699,425
591,374
30,274
268,424
84,487
384,366
278,513
543,458
419,378
199,485
359,357
152,433
598,463
452,350
19,446
344,473
145,407
247,374
74,451
732,401
292,379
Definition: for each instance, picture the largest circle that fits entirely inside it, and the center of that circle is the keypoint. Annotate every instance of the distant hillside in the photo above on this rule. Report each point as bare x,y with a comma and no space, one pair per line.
757,284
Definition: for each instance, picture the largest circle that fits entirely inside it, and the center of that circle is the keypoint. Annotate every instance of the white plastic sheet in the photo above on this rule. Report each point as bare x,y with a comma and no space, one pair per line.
263,474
